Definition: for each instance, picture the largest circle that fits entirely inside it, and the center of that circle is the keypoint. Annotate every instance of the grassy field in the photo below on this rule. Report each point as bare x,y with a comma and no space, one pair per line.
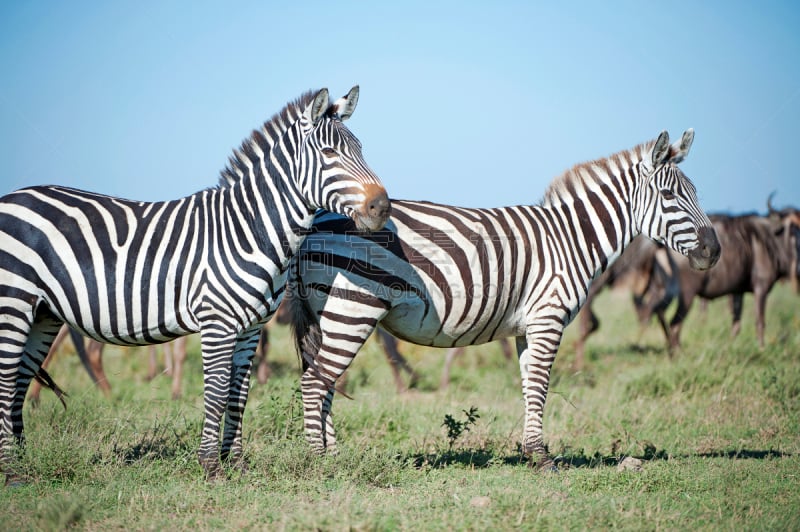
717,429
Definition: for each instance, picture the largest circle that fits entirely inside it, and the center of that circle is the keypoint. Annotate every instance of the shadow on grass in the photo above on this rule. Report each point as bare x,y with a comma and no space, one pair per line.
598,353
466,457
484,458
741,454
158,443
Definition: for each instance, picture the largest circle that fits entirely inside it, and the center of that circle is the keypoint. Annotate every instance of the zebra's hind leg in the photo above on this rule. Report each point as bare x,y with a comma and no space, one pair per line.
317,391
237,399
41,337
341,340
16,322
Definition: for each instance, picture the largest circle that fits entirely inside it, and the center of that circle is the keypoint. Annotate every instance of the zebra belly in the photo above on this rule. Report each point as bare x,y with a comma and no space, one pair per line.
409,321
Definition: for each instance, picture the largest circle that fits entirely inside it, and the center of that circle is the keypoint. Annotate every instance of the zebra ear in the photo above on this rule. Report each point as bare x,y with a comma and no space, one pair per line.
318,107
345,105
660,149
680,150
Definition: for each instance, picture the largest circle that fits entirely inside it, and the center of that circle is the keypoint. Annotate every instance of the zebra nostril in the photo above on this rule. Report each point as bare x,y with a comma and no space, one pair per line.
379,206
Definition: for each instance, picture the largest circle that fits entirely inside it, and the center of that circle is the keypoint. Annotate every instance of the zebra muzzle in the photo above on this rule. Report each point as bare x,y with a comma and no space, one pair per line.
376,208
708,250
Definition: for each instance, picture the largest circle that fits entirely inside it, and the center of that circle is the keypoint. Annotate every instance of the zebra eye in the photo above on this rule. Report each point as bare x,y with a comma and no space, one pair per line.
667,194
329,152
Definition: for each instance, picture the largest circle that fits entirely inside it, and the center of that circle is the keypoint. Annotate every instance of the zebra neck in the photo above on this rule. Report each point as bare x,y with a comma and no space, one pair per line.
599,232
268,216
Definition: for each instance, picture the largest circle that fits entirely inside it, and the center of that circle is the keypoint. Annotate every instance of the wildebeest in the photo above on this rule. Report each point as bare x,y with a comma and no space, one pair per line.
649,271
757,251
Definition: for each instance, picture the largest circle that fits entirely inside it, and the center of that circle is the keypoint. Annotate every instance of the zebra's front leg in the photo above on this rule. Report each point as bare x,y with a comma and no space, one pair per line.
537,351
217,361
237,400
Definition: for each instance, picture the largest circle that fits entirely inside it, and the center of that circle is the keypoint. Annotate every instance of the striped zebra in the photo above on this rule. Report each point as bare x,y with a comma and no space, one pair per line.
446,276
215,262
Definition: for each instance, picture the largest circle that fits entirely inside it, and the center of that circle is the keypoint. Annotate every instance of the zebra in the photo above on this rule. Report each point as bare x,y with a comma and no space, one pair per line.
446,276
215,262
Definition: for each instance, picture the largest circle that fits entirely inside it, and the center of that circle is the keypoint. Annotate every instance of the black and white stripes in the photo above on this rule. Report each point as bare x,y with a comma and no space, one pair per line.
135,273
447,276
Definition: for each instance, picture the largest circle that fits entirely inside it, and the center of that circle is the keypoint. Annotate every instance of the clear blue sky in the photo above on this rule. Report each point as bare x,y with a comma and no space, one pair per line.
466,103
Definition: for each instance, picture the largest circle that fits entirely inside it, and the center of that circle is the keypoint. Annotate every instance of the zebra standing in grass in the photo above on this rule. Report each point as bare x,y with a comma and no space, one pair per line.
135,273
446,276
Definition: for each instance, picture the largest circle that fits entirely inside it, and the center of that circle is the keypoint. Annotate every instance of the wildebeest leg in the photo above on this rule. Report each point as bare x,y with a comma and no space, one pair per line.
736,311
760,294
397,362
684,305
94,361
178,358
588,323
451,355
152,363
662,320
505,345
260,359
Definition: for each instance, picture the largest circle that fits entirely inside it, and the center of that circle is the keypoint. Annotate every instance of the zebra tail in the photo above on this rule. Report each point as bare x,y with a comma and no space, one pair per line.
45,380
305,327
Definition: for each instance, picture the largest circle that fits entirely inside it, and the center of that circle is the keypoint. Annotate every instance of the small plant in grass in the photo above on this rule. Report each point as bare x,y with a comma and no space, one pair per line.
456,428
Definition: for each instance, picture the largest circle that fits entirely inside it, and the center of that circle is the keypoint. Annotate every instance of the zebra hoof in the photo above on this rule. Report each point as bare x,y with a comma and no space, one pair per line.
213,469
544,465
217,476
240,465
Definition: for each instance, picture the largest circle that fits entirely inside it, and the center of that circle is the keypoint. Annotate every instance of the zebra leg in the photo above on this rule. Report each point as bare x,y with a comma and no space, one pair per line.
237,398
337,350
217,345
317,391
35,387
16,320
537,351
41,337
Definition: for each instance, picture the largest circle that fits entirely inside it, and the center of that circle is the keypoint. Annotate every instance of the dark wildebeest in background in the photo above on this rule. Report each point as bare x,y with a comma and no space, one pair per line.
757,251
649,271
90,353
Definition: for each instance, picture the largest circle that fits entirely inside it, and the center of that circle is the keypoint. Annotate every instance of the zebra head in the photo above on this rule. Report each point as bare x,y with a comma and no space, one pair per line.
667,209
333,174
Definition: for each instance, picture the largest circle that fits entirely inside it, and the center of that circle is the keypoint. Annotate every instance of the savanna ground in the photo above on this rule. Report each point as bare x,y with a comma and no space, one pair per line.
717,429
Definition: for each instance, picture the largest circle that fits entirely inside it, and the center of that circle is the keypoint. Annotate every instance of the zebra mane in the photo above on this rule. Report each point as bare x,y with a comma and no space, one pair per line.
261,140
581,175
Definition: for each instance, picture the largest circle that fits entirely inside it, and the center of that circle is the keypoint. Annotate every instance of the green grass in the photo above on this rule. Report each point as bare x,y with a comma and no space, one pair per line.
717,428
